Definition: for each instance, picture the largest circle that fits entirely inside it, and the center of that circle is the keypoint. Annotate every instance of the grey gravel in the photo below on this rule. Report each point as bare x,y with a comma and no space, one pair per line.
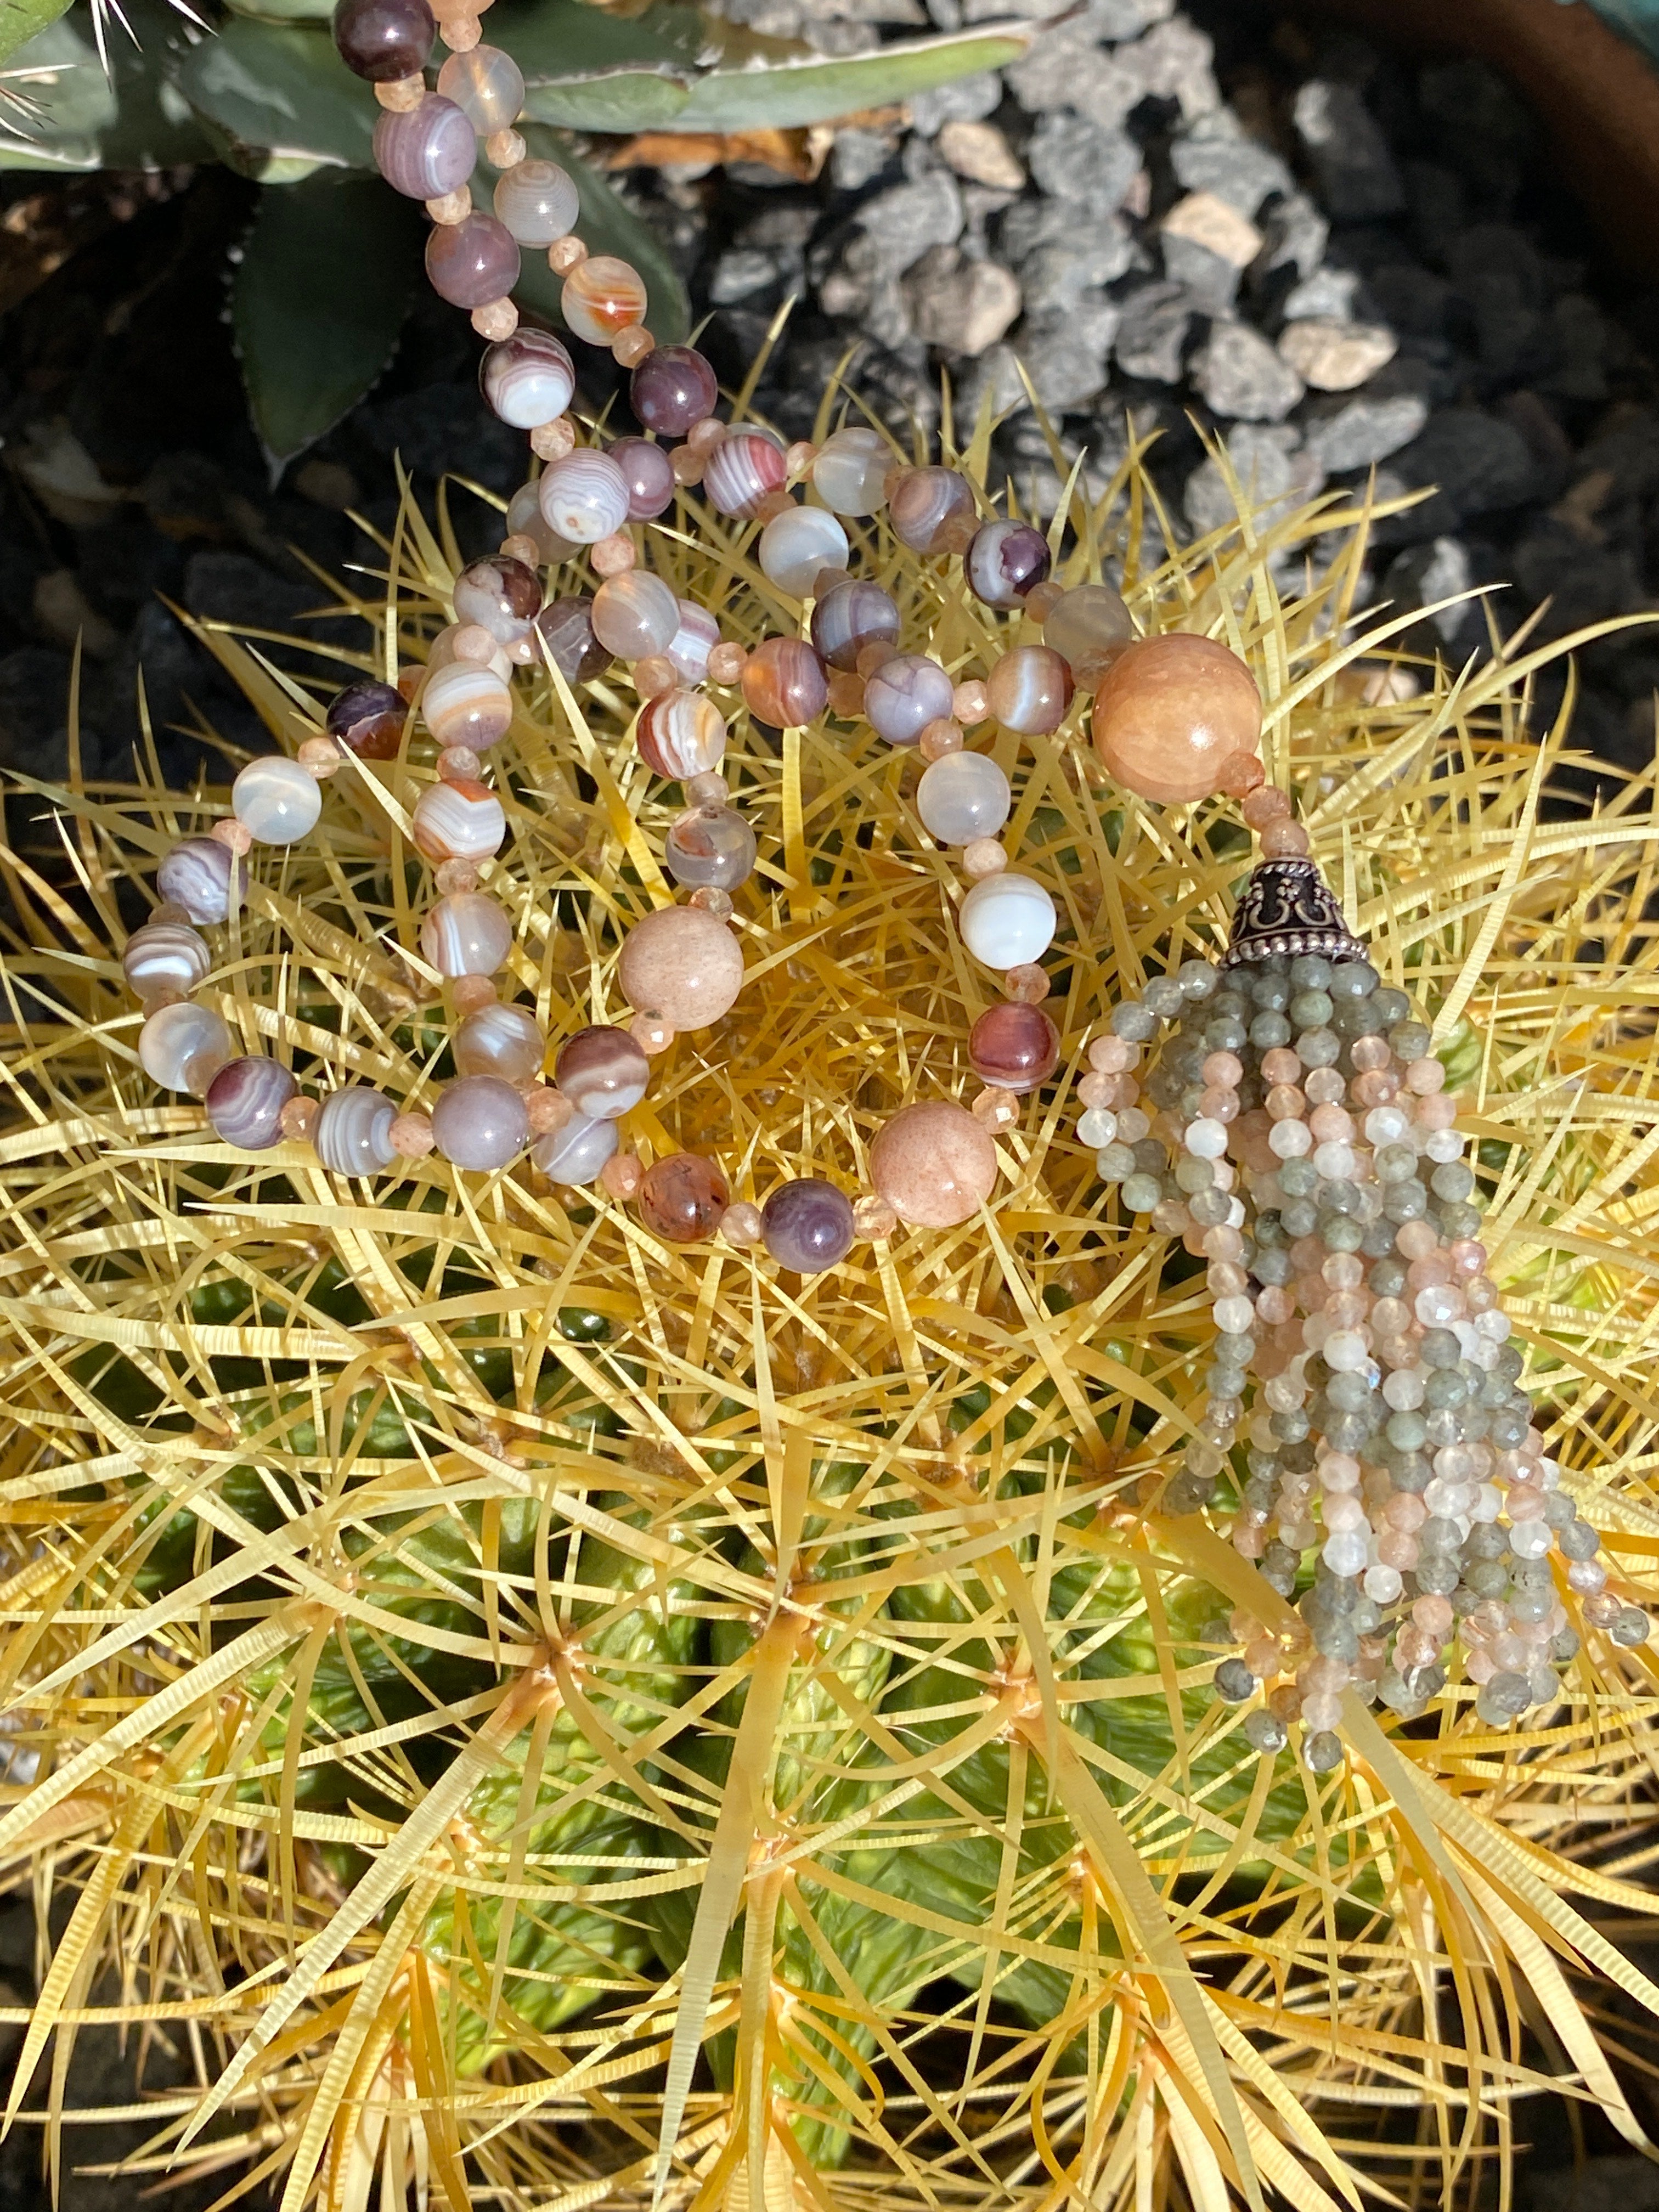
1152,334
1216,156
1364,431
1355,170
1241,375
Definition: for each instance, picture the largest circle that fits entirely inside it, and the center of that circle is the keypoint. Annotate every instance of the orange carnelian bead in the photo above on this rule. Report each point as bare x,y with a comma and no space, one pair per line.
1170,711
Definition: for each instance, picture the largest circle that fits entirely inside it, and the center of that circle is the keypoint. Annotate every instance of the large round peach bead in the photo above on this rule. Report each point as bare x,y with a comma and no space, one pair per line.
1168,711
681,963
934,1165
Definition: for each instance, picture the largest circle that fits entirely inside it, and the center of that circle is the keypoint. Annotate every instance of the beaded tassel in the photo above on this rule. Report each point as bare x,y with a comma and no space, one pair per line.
1363,1396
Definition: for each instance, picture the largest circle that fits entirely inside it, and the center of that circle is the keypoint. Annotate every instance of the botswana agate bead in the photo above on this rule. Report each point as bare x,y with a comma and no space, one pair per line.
904,695
681,963
1029,689
425,151
784,684
384,40
964,796
849,471
499,593
471,262
276,800
368,718
1006,561
635,615
584,497
1169,710
683,1197
742,471
680,733
467,933
164,956
465,704
565,626
672,389
480,1123
650,477
602,296
934,1165
528,379
1007,920
176,1037
1085,627
795,545
807,1226
692,643
352,1133
458,821
575,1154
1014,1047
487,85
924,502
245,1102
603,1072
537,203
197,876
710,847
500,1040
851,616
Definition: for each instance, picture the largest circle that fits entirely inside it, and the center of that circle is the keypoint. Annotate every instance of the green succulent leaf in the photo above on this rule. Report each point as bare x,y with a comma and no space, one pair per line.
135,118
23,19
607,225
781,95
619,101
318,302
276,101
555,41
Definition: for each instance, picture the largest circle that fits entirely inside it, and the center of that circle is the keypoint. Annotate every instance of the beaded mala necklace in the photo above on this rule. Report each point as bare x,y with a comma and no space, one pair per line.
1292,1130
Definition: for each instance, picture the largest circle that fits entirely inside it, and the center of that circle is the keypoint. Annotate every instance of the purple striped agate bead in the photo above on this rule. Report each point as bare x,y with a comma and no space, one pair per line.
480,1123
692,643
742,471
197,875
352,1135
425,151
528,379
650,475
603,1072
807,1226
904,695
584,497
1006,561
471,262
851,616
245,1102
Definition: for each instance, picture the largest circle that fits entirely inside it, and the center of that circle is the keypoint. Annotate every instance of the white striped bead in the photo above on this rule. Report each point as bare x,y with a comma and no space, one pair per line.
353,1133
276,800
164,956
465,704
584,497
458,822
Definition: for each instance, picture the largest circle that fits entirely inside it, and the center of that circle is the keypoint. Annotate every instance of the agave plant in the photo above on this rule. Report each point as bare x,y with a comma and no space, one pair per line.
325,278
579,1722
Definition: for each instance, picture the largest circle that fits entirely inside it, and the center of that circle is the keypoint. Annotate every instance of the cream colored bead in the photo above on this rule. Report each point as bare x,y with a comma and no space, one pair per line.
450,207
277,800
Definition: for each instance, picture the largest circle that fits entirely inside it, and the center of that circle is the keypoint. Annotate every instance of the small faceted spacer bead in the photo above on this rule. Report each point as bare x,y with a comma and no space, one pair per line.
504,149
996,1108
402,96
969,702
299,1117
712,900
546,1109
551,441
452,876
939,738
983,857
496,320
774,503
622,1175
703,437
654,675
1282,841
651,1033
614,555
472,641
459,764
874,1219
1239,774
320,756
1028,984
472,991
169,910
1265,805
450,207
520,548
708,789
800,457
410,1136
726,662
846,693
874,656
631,345
687,465
740,1224
565,254
461,34
237,834
1042,599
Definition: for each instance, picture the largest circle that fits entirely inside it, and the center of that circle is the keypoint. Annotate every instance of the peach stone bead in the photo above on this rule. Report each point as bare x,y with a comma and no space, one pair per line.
1042,599
1425,1077
410,1136
320,756
472,991
726,663
622,1175
1169,710
234,834
874,1219
934,1165
614,555
969,702
546,1108
995,1108
681,963
1239,774
939,738
652,1034
631,345
551,441
740,1224
299,1117
1436,1111
1113,1055
496,320
982,857
1028,984
1281,841
565,254
846,693
452,876
459,764
1370,1053
1267,803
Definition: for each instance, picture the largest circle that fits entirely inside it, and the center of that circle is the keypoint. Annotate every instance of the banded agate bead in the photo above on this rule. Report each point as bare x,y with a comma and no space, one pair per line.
1029,689
710,847
650,477
1085,626
537,203
602,296
528,379
681,963
245,1102
795,545
565,626
575,1154
197,875
164,956
635,615
502,595
964,796
480,1123
1170,711
426,151
692,643
468,933
368,718
923,505
1015,1047
849,471
384,40
681,733
934,1164
276,800
458,821
851,616
487,86
807,1226
352,1133
742,469
584,497
181,1039
1007,920
471,262
683,1197
465,704
1006,561
500,1040
904,695
672,389
784,684
603,1072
